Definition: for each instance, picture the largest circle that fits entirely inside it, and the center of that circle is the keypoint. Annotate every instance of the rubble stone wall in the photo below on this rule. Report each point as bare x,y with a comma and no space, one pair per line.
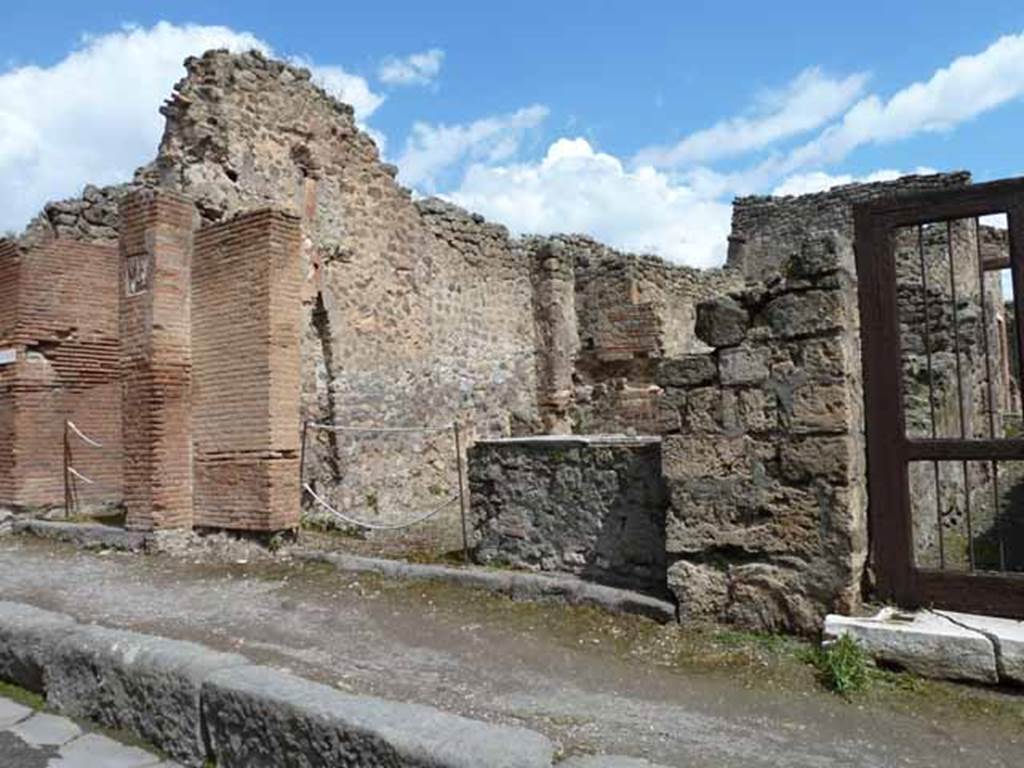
58,321
764,228
766,526
246,328
593,506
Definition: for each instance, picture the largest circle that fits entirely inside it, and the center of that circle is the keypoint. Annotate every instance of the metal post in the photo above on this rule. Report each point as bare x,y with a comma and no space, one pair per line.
67,477
462,494
302,462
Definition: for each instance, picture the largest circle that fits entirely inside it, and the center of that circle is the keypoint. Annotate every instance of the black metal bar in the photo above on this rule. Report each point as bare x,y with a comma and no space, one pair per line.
989,390
931,391
462,494
302,464
960,389
67,475
953,449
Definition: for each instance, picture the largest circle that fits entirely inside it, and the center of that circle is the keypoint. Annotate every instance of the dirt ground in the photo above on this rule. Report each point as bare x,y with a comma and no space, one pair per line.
694,696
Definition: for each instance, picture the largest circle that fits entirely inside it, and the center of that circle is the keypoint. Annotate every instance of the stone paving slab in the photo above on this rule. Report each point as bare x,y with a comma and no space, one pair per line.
1007,635
31,739
11,712
923,642
44,729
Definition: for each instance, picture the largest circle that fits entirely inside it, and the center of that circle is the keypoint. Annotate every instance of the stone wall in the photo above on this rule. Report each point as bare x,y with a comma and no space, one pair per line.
58,321
766,526
618,315
765,228
246,327
591,506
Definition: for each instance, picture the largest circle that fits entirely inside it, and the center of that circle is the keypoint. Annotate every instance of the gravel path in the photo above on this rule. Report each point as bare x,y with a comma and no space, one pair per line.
487,658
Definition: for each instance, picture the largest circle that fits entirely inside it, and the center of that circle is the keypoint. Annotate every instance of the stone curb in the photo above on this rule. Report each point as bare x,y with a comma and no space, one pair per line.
146,685
195,703
608,761
85,535
261,717
514,584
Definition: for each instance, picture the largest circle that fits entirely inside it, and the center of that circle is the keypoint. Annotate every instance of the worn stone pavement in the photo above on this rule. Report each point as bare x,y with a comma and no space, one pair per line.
368,636
30,739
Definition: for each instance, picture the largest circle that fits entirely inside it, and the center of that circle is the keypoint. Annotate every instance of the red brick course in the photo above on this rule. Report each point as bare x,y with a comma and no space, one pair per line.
246,372
58,315
155,288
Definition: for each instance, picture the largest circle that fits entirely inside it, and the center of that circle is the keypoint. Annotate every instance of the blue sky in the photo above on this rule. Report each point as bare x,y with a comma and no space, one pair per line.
636,122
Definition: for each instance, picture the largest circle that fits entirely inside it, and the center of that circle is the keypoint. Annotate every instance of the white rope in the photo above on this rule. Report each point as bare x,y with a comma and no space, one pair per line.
374,526
345,428
84,437
80,476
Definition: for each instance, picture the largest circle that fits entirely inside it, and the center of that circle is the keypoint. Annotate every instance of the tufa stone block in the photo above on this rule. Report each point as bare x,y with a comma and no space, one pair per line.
721,322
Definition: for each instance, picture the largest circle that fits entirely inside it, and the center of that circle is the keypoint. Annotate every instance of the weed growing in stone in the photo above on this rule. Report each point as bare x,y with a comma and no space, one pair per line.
843,666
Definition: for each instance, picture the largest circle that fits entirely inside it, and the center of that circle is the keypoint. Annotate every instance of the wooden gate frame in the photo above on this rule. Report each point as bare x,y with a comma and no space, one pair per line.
889,451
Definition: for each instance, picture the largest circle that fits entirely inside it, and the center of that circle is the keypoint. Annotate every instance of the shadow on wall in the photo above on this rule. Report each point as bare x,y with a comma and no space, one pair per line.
593,506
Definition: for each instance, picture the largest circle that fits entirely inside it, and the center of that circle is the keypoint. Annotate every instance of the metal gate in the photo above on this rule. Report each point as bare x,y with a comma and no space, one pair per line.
941,282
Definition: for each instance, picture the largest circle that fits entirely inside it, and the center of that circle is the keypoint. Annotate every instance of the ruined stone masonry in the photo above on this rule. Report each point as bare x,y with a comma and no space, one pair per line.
266,270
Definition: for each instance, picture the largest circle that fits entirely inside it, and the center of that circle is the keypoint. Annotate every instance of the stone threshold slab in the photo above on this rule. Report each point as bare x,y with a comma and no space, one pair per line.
939,644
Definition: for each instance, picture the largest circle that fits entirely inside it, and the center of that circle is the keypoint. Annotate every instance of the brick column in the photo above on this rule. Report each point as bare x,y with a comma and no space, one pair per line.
248,325
155,278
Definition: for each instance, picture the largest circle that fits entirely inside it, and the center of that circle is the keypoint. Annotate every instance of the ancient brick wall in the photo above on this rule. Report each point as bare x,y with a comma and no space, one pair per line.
593,506
767,525
629,312
59,322
246,327
411,317
155,327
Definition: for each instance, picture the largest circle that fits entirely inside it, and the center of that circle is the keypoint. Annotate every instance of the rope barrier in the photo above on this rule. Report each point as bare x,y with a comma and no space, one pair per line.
83,436
375,526
336,428
80,476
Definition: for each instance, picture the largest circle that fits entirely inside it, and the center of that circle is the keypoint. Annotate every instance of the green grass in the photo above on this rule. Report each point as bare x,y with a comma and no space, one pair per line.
21,696
843,666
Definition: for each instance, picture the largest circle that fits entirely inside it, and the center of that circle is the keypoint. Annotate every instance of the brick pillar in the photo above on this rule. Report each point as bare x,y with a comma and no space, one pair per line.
245,339
155,278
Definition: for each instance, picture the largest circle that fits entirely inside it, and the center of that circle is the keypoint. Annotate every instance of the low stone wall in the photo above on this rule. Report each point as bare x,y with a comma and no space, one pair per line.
767,525
593,506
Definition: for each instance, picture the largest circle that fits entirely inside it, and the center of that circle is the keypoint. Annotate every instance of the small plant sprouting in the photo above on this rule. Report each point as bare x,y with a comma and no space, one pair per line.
843,666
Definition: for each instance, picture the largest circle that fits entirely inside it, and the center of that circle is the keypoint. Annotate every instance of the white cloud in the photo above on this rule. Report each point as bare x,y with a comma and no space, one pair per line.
344,86
968,87
809,101
432,150
577,189
415,69
819,181
93,116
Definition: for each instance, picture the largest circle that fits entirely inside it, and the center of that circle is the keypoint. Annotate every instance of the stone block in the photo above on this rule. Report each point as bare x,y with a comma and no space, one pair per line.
28,637
701,591
721,322
805,313
765,597
814,408
817,256
702,410
923,642
261,717
148,686
740,365
827,458
1006,636
687,371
